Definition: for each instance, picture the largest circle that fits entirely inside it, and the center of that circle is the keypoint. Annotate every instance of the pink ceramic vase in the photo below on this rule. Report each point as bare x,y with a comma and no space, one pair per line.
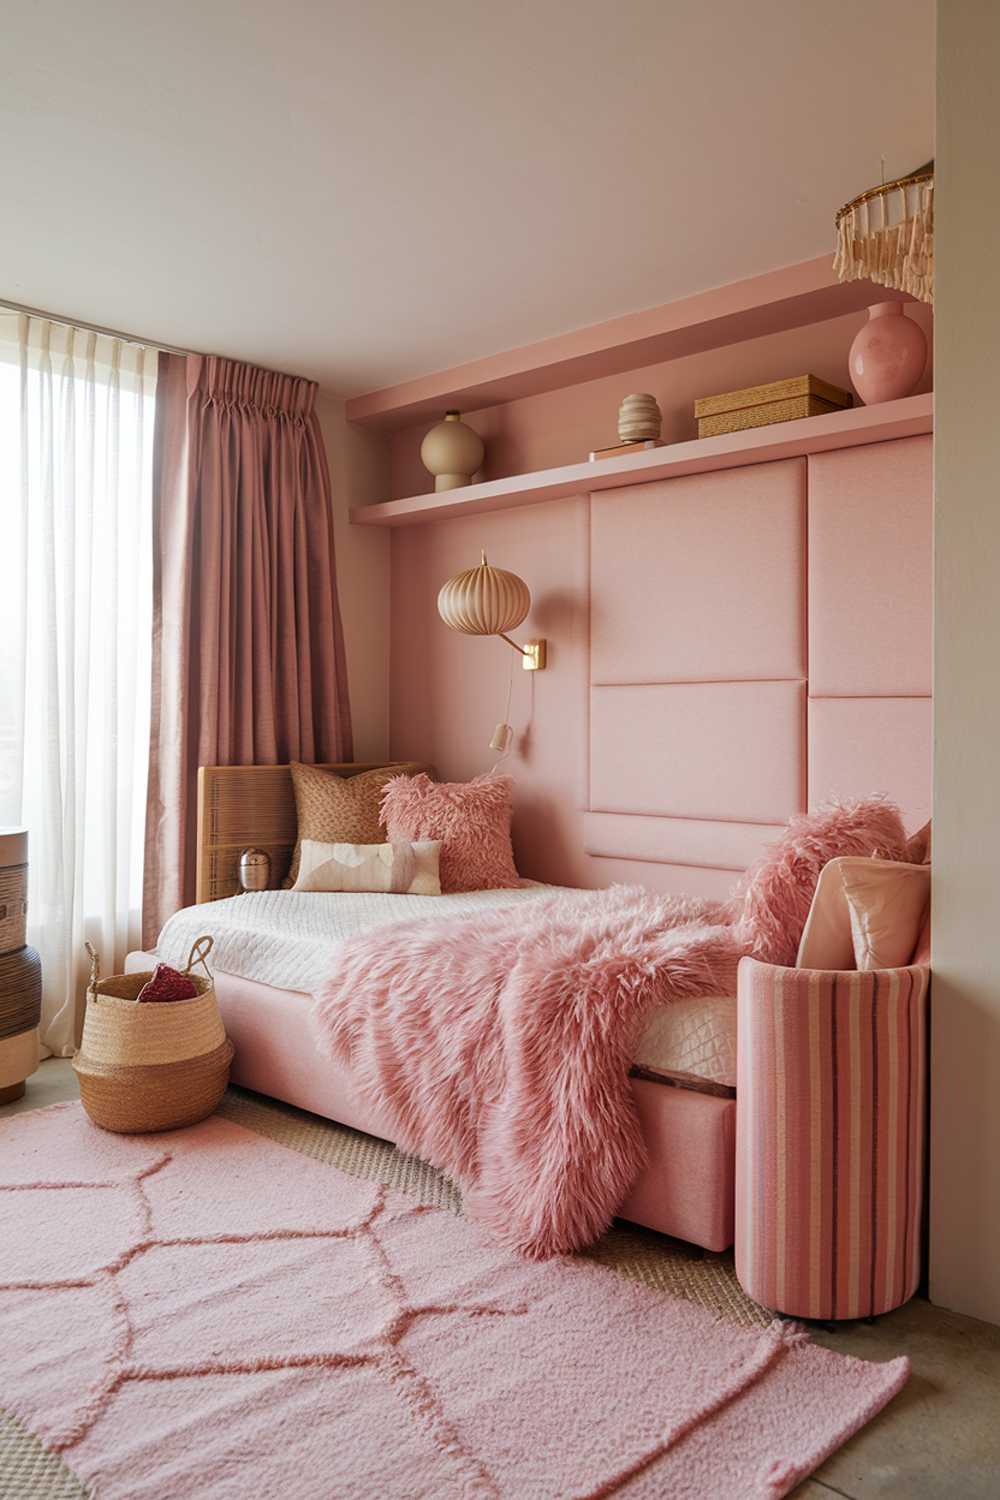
888,356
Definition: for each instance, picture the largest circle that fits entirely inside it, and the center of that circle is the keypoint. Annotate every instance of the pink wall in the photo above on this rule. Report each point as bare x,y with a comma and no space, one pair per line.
448,691
560,427
723,650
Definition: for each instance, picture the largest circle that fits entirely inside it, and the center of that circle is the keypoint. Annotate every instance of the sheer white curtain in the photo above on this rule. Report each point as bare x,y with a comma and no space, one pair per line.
76,428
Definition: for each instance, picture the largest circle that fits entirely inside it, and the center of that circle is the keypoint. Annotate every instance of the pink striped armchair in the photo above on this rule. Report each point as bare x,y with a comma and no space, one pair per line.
830,1137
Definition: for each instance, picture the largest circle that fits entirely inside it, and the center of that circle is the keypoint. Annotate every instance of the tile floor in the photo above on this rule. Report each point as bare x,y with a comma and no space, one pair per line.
939,1439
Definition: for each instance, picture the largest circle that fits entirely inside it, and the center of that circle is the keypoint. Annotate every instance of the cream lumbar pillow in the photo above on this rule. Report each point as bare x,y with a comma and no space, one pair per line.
409,869
887,902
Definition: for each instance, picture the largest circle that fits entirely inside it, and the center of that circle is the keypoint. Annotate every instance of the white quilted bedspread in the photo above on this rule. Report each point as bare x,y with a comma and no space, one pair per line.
693,1041
290,938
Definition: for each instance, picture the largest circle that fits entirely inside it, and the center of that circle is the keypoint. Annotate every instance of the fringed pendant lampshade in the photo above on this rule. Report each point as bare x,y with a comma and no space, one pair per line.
887,235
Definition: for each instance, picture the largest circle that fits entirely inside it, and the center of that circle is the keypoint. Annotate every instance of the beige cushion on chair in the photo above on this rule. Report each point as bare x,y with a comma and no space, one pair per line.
865,914
887,901
335,809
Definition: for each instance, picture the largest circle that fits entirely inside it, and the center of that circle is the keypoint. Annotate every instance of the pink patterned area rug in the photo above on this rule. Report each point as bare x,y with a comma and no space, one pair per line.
205,1313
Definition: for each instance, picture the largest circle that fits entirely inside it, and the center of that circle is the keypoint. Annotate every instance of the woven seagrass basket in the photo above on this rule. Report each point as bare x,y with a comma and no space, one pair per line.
157,1065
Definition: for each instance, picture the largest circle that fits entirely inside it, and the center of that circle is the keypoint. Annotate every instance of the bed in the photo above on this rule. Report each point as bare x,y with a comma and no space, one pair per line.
271,949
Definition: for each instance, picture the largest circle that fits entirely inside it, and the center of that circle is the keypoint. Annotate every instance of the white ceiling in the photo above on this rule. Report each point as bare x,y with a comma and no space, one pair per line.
367,190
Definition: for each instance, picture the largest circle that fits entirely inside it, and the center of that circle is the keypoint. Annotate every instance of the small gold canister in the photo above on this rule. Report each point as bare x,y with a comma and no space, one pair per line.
255,869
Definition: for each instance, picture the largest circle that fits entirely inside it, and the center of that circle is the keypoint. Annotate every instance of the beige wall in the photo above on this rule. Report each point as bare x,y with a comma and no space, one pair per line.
359,476
965,1045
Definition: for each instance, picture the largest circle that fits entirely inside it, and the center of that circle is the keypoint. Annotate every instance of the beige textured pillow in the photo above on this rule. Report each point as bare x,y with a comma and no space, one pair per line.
404,869
335,809
887,901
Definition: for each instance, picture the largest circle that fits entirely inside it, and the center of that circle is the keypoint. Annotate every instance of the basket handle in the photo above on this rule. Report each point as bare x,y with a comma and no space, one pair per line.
200,949
95,965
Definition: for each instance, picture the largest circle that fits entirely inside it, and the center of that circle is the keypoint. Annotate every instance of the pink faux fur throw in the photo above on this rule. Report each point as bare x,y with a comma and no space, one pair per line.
501,1043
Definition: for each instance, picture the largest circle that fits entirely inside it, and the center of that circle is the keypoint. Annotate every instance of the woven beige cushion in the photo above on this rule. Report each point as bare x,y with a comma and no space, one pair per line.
409,869
335,809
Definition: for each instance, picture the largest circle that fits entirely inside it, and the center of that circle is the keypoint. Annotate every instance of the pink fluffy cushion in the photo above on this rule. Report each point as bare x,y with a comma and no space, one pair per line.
775,895
470,820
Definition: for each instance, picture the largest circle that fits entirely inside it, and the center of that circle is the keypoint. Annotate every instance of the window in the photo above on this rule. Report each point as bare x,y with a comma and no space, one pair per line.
76,425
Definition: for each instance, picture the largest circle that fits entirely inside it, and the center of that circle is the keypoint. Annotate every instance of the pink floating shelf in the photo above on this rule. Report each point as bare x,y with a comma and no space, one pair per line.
761,445
791,297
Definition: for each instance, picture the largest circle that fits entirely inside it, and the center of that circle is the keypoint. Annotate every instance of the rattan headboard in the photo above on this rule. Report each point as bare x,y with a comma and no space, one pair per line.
240,807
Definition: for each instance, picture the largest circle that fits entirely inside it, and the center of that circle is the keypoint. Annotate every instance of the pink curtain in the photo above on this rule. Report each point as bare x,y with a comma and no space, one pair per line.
248,652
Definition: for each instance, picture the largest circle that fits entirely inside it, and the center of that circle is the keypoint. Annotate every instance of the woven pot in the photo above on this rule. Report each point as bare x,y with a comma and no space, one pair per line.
20,1012
156,1065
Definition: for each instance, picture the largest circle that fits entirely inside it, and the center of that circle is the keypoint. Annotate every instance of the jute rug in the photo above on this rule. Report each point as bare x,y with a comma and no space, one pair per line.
206,1313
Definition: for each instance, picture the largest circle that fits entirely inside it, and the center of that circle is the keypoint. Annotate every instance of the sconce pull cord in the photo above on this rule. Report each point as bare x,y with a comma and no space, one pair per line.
505,725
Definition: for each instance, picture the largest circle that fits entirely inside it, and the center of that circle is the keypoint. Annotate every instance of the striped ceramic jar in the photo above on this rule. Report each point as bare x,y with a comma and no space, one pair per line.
830,1138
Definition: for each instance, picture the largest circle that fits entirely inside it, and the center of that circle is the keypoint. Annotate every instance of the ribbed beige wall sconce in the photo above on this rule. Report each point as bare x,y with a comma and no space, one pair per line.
489,601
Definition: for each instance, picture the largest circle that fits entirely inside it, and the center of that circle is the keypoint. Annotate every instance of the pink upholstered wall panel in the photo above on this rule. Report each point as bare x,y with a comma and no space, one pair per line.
870,580
698,750
862,745
720,844
675,784
870,570
700,578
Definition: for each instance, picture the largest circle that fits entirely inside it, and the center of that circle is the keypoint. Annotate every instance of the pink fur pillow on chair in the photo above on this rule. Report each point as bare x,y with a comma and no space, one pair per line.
470,820
775,895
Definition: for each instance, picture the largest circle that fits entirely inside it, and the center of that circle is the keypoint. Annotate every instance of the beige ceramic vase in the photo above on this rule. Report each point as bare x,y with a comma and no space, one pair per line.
452,452
639,419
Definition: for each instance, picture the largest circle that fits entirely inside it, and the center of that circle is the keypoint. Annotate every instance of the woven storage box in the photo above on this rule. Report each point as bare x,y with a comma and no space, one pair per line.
759,405
157,1065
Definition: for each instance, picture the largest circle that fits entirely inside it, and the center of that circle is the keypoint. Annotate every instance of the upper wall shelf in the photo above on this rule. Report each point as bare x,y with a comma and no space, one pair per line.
791,297
841,429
